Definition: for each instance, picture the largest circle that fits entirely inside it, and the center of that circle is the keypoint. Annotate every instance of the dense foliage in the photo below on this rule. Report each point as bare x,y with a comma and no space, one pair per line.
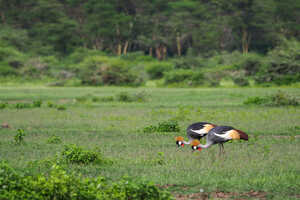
61,185
71,41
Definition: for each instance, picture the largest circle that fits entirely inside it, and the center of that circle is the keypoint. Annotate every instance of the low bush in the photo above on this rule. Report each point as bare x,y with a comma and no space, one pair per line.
22,105
165,126
3,105
124,97
106,99
168,126
138,56
58,184
278,99
19,137
188,77
140,96
54,140
37,103
76,154
189,62
255,101
241,81
156,70
6,70
103,70
50,104
282,99
61,107
282,65
250,63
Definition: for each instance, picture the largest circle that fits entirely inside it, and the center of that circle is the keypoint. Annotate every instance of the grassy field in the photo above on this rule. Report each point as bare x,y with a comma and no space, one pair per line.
265,164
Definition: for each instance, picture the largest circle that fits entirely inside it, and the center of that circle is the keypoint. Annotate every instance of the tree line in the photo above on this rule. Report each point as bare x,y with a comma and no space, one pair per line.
160,28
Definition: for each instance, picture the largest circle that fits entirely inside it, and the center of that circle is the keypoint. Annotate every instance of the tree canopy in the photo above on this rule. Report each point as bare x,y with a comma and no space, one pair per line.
157,27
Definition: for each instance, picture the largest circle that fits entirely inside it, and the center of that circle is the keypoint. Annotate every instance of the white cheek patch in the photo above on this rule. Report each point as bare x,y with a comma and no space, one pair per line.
179,142
194,147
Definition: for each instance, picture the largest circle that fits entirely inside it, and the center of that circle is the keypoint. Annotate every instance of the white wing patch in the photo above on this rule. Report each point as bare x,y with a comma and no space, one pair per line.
200,132
226,136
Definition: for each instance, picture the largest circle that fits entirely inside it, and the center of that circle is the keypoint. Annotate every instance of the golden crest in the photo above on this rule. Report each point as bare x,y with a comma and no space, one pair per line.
195,143
179,138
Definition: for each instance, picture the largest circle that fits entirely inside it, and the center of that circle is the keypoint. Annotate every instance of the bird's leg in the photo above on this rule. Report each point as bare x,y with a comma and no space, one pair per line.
220,149
223,150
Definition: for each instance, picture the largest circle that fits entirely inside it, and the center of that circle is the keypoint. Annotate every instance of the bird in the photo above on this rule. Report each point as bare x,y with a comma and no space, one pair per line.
219,135
194,131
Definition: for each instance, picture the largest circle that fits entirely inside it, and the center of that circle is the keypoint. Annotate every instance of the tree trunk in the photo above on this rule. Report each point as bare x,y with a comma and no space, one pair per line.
150,51
178,44
3,18
158,52
164,51
245,41
125,48
119,50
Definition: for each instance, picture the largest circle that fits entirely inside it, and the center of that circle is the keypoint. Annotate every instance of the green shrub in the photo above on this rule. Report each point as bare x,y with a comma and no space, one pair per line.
6,70
19,137
241,81
140,96
61,107
102,70
22,105
80,54
150,129
282,99
106,99
138,56
255,101
189,62
156,70
54,140
82,99
50,104
124,97
58,184
251,63
75,154
189,77
36,68
165,126
282,65
278,99
168,126
3,105
37,103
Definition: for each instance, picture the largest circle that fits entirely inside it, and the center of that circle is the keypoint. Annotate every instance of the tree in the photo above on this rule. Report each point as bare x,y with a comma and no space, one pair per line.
251,19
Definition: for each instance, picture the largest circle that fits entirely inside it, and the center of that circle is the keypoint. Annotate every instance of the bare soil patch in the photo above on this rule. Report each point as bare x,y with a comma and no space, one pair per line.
223,195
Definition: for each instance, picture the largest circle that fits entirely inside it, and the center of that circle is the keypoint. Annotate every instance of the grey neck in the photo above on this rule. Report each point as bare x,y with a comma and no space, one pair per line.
208,144
185,142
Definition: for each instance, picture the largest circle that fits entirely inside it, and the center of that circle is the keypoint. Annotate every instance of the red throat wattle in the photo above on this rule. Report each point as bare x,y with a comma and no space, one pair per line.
199,148
182,145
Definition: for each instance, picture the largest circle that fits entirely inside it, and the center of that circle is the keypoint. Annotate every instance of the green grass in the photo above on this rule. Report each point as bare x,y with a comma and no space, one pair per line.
116,128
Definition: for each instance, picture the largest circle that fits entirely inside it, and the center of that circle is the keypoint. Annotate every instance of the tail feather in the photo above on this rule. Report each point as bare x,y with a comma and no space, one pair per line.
243,135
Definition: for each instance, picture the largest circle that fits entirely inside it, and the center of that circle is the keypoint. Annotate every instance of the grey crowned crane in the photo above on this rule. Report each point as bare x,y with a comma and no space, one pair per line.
219,135
194,131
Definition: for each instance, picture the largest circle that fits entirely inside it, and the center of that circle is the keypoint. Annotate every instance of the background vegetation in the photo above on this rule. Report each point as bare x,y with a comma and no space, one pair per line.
98,134
117,42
